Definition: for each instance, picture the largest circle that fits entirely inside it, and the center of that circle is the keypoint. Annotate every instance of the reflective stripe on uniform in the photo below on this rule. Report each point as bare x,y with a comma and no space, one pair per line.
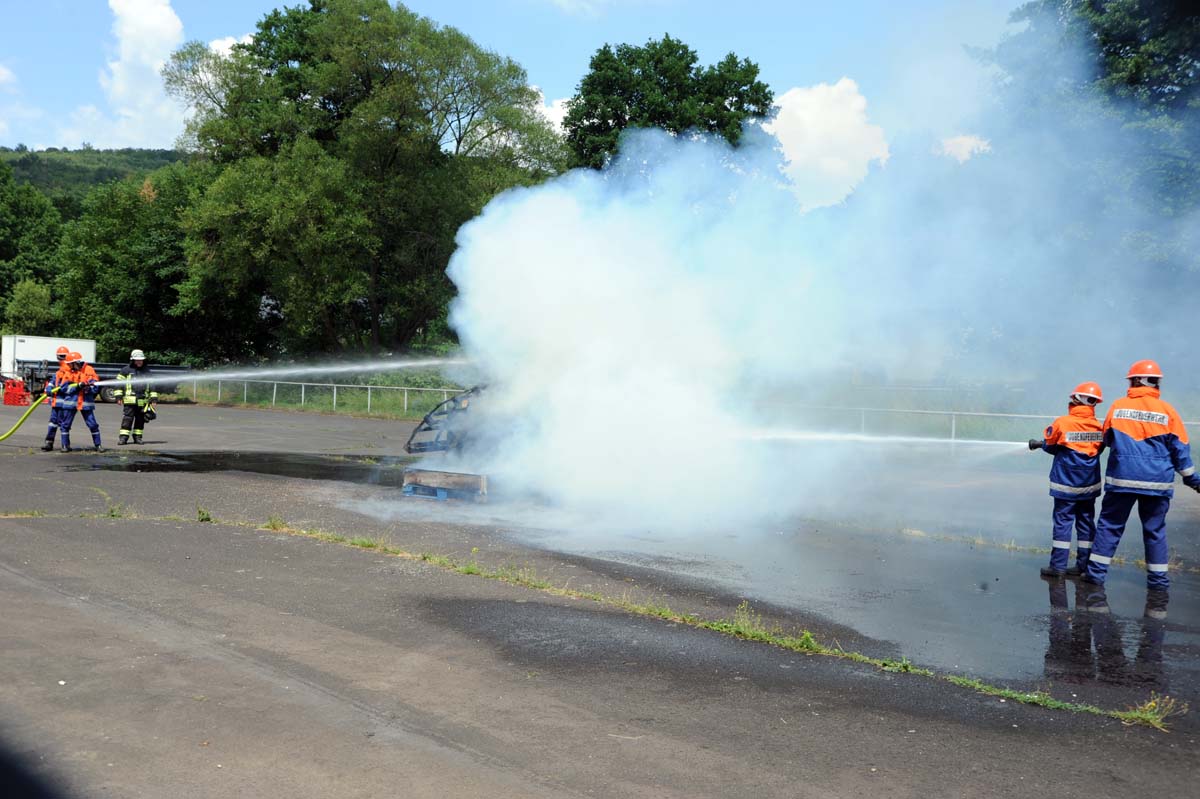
1188,472
1159,568
1119,483
1084,544
1074,489
1141,416
1062,544
1101,559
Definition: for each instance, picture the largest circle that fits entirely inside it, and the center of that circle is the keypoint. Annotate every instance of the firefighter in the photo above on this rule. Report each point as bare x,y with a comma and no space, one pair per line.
61,376
1147,444
78,395
1075,441
137,398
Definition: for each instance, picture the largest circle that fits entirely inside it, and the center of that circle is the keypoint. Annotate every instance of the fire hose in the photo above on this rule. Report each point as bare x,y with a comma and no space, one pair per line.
33,407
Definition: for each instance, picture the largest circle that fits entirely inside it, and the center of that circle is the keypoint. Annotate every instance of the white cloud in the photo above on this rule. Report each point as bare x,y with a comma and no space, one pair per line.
224,45
582,8
963,148
138,113
827,139
555,111
8,80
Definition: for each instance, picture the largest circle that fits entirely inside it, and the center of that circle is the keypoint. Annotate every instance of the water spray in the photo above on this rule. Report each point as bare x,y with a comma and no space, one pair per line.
254,373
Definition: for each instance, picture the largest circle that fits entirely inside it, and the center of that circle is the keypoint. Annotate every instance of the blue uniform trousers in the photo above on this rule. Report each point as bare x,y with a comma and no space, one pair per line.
66,417
1114,514
52,427
1078,515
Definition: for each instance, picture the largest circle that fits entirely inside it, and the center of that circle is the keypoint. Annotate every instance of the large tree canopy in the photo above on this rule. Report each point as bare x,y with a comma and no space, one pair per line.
355,137
660,85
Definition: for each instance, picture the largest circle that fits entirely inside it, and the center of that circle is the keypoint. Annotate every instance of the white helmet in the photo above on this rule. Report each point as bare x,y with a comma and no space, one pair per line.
137,355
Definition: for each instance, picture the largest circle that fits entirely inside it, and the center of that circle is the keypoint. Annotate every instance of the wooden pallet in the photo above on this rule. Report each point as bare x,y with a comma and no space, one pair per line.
433,484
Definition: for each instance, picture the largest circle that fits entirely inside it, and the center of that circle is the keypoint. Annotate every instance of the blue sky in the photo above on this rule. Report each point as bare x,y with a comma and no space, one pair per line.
85,70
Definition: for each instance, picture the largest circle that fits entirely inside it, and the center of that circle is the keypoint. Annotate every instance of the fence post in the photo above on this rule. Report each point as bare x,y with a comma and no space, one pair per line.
406,400
368,399
445,396
194,382
335,397
218,391
953,427
245,392
301,395
274,388
862,422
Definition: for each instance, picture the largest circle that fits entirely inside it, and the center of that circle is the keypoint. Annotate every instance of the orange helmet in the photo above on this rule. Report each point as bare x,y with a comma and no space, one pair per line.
74,357
1087,394
1144,369
62,352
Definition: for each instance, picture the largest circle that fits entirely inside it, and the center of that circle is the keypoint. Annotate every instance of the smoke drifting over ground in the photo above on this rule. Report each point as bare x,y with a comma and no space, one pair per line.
626,319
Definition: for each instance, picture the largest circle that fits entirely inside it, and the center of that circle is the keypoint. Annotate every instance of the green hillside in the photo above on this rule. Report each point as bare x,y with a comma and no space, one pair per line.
66,176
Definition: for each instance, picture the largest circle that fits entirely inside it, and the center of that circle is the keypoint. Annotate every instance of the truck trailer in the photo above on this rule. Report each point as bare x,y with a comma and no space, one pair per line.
33,359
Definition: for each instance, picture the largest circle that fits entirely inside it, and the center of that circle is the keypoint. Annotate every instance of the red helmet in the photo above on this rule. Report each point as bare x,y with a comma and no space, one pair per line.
1087,391
74,357
1144,369
62,352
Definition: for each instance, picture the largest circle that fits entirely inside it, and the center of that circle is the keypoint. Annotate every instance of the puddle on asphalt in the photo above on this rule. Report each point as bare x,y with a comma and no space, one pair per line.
383,471
961,609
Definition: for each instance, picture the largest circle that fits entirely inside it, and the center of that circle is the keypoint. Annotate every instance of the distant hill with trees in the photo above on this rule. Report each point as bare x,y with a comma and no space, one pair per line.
66,176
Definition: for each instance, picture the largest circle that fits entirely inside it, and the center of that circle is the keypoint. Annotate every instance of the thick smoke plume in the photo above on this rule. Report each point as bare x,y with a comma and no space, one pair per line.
630,321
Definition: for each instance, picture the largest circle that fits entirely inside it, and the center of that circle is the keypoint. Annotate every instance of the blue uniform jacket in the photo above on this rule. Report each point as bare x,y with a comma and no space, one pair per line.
1075,441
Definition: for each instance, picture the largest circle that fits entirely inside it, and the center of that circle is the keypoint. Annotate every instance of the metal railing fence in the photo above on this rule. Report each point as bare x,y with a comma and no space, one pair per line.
953,424
354,396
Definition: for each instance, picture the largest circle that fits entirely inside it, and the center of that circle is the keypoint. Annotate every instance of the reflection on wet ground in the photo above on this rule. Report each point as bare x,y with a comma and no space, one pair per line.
953,605
385,471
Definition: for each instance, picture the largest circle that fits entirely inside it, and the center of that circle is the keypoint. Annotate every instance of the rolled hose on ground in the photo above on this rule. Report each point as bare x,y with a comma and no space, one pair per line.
33,407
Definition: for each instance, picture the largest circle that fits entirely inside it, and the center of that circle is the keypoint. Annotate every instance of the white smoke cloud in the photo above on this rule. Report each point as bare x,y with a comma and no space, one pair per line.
963,148
138,111
828,140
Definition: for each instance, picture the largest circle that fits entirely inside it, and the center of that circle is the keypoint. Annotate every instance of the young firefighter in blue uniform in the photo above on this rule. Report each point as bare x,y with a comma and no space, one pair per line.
1075,441
1147,443
78,395
61,376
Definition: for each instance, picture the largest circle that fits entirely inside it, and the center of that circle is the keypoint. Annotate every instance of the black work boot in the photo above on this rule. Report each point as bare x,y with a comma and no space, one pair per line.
97,448
1077,570
49,445
123,440
137,439
1052,573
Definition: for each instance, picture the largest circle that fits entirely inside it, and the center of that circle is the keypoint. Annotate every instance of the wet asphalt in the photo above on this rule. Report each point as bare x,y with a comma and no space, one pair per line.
895,589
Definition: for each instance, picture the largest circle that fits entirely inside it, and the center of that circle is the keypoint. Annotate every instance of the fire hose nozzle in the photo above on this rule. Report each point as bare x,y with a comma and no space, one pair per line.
1036,443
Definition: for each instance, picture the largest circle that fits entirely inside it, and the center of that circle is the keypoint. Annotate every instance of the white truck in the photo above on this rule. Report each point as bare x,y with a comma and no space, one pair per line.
34,360
39,349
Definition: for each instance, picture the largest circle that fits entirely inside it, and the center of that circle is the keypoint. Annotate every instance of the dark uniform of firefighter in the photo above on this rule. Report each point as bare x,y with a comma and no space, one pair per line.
137,396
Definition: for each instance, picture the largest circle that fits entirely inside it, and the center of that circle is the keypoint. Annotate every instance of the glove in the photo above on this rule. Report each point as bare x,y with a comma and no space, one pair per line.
1036,443
1192,482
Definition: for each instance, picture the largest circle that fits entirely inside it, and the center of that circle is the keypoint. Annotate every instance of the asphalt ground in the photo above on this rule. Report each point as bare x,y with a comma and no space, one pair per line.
148,654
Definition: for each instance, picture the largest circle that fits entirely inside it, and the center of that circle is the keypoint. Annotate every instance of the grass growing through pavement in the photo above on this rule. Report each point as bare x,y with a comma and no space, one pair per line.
22,514
750,626
746,624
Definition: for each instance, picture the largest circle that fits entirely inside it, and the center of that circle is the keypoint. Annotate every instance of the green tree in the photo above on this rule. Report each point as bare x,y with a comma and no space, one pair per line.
418,126
28,310
282,242
29,232
660,85
121,262
1109,88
